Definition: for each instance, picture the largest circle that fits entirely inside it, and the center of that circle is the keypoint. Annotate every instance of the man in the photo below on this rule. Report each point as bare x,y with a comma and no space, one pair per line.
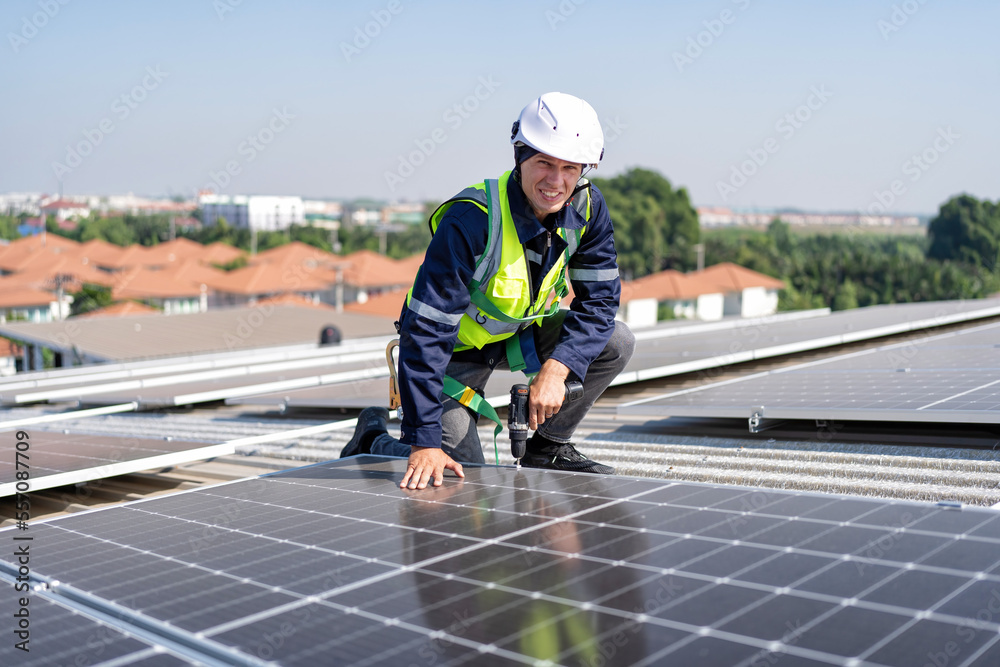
498,257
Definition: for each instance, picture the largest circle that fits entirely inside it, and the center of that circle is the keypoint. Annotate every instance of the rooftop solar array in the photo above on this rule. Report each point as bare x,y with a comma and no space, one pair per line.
58,459
765,338
949,378
133,337
159,384
334,564
82,640
672,350
55,459
198,379
665,350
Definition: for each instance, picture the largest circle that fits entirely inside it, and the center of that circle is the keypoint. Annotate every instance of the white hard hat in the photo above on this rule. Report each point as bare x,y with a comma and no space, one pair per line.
562,126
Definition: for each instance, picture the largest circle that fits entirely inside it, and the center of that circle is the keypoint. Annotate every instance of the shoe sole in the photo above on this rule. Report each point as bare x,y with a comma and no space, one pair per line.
353,446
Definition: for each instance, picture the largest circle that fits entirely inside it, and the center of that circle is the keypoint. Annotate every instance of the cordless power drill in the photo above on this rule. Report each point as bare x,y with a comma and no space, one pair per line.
517,416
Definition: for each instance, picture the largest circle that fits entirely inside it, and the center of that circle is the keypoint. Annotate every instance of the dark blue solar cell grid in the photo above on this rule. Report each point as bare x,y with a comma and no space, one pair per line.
335,563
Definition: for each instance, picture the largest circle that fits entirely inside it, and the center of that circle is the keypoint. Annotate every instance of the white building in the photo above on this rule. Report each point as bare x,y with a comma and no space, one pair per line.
263,213
710,294
16,203
64,209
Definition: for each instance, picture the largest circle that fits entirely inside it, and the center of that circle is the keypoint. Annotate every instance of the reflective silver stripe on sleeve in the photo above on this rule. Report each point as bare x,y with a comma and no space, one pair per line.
572,241
533,256
593,275
432,313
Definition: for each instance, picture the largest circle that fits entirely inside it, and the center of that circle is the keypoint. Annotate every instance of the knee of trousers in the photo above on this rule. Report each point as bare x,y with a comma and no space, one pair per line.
621,345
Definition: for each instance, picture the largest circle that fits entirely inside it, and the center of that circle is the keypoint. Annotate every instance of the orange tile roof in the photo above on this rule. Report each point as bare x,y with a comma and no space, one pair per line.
17,257
298,253
100,253
121,309
16,296
220,253
411,263
31,243
42,273
62,203
370,269
194,272
133,255
267,278
143,282
173,251
387,304
9,348
718,279
666,285
736,278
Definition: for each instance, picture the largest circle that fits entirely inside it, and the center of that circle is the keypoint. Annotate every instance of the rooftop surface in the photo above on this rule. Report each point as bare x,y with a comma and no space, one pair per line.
222,330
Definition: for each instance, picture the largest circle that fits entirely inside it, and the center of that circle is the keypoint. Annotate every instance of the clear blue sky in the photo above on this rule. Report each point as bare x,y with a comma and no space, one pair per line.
227,65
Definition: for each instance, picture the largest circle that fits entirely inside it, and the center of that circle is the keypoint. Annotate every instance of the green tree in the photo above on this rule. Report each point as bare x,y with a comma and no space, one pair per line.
781,235
967,230
90,297
112,230
149,230
8,227
655,225
846,296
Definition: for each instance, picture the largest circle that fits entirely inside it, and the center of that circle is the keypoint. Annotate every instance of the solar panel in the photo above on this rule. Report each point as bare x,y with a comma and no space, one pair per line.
82,376
946,378
363,393
334,564
166,386
764,338
662,351
673,349
71,638
50,417
56,459
202,378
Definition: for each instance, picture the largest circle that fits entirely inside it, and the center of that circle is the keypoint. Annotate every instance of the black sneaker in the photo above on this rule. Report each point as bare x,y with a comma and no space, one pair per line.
371,422
563,457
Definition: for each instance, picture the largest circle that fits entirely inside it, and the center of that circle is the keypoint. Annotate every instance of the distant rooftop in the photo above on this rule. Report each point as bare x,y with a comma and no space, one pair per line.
149,336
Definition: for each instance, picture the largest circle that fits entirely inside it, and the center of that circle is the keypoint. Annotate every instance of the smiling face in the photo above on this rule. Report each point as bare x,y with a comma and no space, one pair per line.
548,182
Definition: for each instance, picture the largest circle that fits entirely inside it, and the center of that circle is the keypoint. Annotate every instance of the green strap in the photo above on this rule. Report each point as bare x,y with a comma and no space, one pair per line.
515,358
484,304
515,355
468,397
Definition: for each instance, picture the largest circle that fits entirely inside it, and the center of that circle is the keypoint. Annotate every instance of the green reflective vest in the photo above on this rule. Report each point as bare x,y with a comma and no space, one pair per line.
502,297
